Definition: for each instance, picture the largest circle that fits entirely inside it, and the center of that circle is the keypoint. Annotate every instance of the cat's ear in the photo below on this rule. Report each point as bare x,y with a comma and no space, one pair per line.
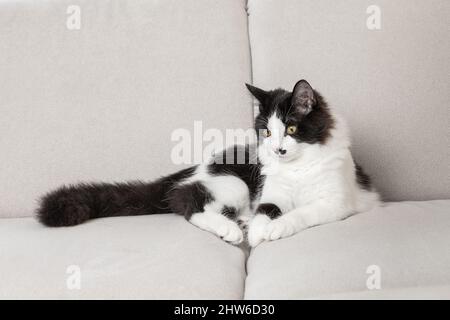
303,97
258,93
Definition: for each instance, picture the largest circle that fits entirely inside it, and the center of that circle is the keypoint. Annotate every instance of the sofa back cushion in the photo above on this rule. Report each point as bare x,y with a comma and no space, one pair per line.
391,84
97,98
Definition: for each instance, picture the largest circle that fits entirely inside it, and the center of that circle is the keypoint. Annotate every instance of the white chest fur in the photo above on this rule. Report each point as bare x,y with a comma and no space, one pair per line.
321,173
290,186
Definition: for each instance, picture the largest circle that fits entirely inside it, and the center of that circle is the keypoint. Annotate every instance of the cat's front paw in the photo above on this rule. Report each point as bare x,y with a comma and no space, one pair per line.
256,229
279,228
230,232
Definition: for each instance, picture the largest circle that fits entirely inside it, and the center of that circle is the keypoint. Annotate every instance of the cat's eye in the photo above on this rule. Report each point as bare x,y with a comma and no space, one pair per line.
267,133
291,129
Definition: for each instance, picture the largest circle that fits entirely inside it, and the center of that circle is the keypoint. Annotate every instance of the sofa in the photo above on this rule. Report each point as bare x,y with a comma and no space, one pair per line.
93,90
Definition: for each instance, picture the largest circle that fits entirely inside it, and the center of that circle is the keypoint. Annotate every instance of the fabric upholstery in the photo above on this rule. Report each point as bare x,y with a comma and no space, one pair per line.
101,102
390,84
143,257
407,241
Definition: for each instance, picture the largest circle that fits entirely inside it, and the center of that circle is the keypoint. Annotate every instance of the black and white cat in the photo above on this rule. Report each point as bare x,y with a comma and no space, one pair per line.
300,175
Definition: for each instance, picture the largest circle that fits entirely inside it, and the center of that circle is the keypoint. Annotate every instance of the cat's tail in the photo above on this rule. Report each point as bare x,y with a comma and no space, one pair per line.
72,205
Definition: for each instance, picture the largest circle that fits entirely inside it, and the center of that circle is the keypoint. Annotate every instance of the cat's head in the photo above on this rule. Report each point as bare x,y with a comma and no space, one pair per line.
289,122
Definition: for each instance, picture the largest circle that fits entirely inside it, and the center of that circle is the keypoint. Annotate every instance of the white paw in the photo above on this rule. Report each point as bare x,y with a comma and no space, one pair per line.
278,228
230,232
256,229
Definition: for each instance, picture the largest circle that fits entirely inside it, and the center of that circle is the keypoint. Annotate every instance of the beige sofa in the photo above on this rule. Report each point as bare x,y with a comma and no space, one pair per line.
93,90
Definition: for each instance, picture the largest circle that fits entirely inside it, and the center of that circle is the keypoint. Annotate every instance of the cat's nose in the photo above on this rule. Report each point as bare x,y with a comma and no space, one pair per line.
280,151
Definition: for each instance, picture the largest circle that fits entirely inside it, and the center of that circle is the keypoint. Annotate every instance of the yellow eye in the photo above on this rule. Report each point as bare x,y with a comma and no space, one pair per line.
267,133
291,129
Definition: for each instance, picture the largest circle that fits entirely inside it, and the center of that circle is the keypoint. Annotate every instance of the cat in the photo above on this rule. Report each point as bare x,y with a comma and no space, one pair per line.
299,175
314,178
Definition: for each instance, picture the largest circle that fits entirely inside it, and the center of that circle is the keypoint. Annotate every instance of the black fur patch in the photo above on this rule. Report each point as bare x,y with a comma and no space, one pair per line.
362,178
229,212
189,199
240,161
269,209
71,205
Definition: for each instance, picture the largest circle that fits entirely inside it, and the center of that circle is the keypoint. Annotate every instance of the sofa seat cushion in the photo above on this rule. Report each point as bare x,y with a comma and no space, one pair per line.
144,257
403,245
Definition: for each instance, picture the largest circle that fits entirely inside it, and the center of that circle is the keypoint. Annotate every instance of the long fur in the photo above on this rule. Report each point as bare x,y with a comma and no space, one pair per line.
75,204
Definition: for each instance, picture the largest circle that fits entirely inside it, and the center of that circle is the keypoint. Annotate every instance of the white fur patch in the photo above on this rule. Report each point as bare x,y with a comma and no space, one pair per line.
279,228
277,129
257,229
218,224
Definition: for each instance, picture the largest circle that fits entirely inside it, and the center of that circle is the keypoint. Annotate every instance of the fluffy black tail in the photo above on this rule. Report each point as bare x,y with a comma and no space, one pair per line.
72,205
